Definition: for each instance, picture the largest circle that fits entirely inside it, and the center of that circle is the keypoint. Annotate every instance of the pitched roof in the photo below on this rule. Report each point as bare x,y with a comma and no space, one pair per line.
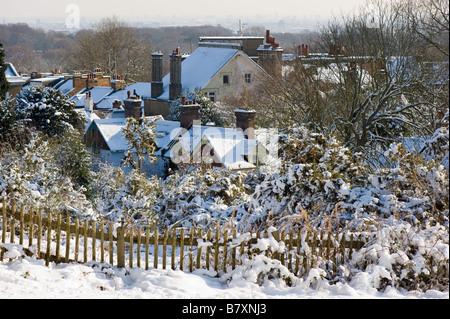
111,131
229,144
199,68
65,86
97,94
141,88
12,76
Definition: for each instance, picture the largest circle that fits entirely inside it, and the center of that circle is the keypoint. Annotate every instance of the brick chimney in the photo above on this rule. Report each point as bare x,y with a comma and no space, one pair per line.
157,85
91,81
118,82
270,56
132,106
189,112
175,75
117,104
245,120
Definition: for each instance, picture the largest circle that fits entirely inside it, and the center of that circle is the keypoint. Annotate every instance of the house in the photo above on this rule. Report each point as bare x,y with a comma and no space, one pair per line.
248,44
15,80
329,66
182,142
106,137
107,93
231,148
219,70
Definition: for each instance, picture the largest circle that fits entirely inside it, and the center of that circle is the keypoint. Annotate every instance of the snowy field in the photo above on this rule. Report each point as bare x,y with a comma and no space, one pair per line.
29,278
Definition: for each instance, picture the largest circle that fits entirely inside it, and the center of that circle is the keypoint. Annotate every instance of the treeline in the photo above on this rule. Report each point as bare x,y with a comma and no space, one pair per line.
33,49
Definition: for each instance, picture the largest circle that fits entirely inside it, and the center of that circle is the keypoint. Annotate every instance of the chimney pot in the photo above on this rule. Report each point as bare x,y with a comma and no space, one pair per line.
183,100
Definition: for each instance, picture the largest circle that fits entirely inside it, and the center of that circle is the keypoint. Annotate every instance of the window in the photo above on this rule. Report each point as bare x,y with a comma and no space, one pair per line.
248,78
212,96
226,79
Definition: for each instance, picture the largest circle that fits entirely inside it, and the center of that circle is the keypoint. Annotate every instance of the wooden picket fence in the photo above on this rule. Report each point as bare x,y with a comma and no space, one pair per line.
58,238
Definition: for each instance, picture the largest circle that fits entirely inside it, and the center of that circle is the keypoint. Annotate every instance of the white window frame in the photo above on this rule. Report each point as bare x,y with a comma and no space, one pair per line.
212,95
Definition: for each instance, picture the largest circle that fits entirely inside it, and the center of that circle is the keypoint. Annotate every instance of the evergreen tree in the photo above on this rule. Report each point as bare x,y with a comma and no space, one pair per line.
48,110
4,85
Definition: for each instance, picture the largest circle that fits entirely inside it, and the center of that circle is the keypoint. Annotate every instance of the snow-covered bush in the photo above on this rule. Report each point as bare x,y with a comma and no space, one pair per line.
323,178
33,177
48,110
257,267
127,198
201,195
437,146
415,188
140,136
404,256
318,172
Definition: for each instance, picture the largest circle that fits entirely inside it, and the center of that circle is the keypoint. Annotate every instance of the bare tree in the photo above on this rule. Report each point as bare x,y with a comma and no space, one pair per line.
371,92
430,21
114,47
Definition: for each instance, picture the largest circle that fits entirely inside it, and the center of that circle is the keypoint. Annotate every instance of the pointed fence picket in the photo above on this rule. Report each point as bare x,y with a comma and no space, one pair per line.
61,238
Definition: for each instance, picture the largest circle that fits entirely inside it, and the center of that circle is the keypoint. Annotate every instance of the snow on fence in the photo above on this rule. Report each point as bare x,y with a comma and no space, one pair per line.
57,238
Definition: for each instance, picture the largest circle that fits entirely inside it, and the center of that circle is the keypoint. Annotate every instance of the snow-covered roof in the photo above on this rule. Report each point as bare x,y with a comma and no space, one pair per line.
199,68
97,94
10,70
229,144
231,151
12,76
141,88
111,131
191,138
65,86
89,116
334,73
47,81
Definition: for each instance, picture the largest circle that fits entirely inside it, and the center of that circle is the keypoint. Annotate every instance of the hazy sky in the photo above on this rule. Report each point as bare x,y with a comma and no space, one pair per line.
14,10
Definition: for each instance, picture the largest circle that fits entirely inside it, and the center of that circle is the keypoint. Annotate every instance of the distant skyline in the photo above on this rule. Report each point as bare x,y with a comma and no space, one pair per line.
176,11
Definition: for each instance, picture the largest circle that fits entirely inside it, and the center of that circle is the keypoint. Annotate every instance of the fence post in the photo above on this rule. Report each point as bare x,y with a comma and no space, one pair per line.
22,222
155,246
111,243
67,236
49,237
4,221
4,225
39,234
120,247
12,230
182,249
174,246
58,236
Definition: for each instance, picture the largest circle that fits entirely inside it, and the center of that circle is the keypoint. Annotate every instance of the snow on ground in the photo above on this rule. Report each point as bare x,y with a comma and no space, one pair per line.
29,278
